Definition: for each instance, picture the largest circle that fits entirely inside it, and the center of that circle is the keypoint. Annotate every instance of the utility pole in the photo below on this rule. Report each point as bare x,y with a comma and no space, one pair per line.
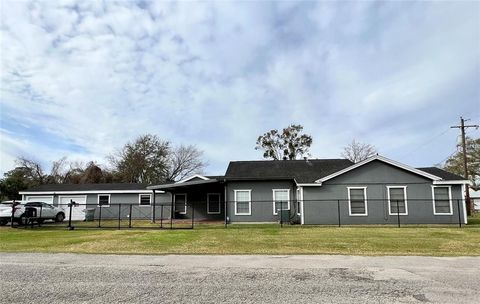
462,128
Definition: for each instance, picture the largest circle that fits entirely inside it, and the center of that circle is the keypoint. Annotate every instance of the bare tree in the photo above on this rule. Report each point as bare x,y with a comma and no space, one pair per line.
33,169
356,151
184,161
58,171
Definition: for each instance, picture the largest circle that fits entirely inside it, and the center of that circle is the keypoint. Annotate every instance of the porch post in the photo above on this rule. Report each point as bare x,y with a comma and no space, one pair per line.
172,213
226,205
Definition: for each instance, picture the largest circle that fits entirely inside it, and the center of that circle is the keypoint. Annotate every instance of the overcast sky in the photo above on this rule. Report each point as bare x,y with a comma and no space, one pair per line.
80,79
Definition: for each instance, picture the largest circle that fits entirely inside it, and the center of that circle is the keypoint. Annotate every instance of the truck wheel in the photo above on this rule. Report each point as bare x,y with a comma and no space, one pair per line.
60,217
3,222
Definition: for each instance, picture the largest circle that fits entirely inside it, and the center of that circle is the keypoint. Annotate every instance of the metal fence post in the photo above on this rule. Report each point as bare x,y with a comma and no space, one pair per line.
458,211
398,215
172,213
161,215
338,212
119,214
154,205
281,214
13,214
193,214
130,217
70,215
39,219
225,211
99,215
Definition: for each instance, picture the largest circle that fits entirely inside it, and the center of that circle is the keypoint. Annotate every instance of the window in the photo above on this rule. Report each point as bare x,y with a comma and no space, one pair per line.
442,200
145,199
243,202
104,200
357,201
281,200
181,203
213,203
397,196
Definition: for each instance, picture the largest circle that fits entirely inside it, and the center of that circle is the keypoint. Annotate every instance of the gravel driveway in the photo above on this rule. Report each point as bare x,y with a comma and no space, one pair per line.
75,278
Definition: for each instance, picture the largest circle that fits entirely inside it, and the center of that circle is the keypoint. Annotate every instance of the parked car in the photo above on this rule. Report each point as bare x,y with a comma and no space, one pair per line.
44,211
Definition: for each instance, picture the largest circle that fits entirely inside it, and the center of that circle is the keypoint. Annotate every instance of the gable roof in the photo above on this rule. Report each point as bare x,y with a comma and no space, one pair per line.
303,171
382,159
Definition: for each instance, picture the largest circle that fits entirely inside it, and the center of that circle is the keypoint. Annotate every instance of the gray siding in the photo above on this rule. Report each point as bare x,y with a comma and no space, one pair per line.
262,200
321,203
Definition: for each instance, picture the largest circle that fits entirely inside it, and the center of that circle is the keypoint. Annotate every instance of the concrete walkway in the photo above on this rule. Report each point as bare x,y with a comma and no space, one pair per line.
60,278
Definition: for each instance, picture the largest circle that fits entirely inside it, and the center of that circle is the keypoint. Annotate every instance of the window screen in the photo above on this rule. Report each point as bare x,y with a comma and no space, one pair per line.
397,200
357,202
242,198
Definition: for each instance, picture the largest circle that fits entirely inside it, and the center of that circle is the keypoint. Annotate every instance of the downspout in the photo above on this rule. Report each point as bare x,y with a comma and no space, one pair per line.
153,210
464,205
302,208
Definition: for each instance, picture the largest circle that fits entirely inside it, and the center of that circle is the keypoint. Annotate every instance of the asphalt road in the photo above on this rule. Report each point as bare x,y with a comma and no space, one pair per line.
75,278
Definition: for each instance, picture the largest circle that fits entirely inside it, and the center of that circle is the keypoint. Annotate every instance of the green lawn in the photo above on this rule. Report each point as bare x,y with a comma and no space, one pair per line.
251,239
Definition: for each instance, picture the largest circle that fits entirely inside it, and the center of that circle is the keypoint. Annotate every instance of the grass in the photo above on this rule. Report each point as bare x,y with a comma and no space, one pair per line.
251,239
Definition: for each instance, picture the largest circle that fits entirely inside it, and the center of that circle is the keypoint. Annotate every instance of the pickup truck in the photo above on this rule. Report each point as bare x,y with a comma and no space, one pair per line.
44,212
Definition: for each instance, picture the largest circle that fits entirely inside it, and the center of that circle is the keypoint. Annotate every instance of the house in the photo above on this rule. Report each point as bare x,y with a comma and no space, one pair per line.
106,199
377,190
475,197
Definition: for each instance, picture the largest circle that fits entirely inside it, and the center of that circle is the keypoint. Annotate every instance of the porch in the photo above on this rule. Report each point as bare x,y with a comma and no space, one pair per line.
199,200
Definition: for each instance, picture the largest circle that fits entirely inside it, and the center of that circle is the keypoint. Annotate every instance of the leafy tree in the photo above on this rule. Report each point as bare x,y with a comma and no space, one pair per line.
356,151
454,164
184,161
14,181
289,144
144,160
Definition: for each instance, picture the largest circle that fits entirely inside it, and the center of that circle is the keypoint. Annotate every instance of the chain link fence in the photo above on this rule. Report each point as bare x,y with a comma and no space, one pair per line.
188,215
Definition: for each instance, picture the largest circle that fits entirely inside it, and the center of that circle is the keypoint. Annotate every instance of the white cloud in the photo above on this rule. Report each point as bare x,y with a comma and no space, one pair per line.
93,75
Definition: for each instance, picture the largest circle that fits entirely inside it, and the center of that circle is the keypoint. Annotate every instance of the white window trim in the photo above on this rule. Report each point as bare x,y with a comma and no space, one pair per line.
249,201
365,199
273,196
219,203
405,198
98,200
175,202
140,200
449,200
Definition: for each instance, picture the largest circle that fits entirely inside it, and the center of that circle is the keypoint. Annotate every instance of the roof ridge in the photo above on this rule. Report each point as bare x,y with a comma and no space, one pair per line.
287,160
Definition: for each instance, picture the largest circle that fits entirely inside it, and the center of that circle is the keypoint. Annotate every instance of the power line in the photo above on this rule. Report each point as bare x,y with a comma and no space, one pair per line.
462,128
418,147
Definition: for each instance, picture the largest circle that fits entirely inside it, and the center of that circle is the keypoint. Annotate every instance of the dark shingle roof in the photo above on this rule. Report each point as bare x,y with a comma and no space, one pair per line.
441,173
304,171
87,187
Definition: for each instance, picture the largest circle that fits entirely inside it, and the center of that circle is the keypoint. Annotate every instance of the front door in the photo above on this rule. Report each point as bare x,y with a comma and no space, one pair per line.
180,200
